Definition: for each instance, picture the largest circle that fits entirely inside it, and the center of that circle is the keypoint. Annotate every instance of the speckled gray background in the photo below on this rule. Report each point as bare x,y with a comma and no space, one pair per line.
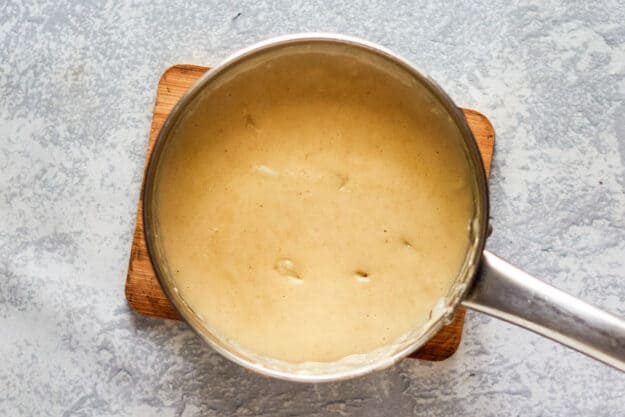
77,84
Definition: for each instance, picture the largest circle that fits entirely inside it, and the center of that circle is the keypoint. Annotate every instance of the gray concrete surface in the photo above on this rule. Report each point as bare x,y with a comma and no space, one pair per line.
77,84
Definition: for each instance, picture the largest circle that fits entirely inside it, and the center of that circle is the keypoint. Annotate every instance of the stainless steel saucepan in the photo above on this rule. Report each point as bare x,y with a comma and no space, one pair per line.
486,283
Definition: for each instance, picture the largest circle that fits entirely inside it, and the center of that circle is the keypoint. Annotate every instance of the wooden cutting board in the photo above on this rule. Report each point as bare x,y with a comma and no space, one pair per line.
143,291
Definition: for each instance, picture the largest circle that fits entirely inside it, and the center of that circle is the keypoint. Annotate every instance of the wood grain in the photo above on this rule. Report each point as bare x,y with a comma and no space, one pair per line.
143,291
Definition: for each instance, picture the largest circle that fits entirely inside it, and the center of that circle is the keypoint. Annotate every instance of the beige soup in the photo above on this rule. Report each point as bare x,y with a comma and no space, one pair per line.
313,208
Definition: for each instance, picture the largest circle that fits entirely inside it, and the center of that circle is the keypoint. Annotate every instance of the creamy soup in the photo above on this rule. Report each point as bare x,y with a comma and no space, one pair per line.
312,207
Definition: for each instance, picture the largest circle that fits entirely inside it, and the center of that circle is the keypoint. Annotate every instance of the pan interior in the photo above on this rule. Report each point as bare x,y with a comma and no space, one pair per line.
315,209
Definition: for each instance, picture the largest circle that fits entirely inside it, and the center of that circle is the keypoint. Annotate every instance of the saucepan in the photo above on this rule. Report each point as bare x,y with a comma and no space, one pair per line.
486,283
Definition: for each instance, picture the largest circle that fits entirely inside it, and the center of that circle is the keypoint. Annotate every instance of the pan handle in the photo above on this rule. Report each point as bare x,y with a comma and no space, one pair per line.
506,292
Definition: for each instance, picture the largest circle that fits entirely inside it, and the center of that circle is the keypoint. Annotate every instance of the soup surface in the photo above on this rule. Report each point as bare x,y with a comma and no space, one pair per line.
313,207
